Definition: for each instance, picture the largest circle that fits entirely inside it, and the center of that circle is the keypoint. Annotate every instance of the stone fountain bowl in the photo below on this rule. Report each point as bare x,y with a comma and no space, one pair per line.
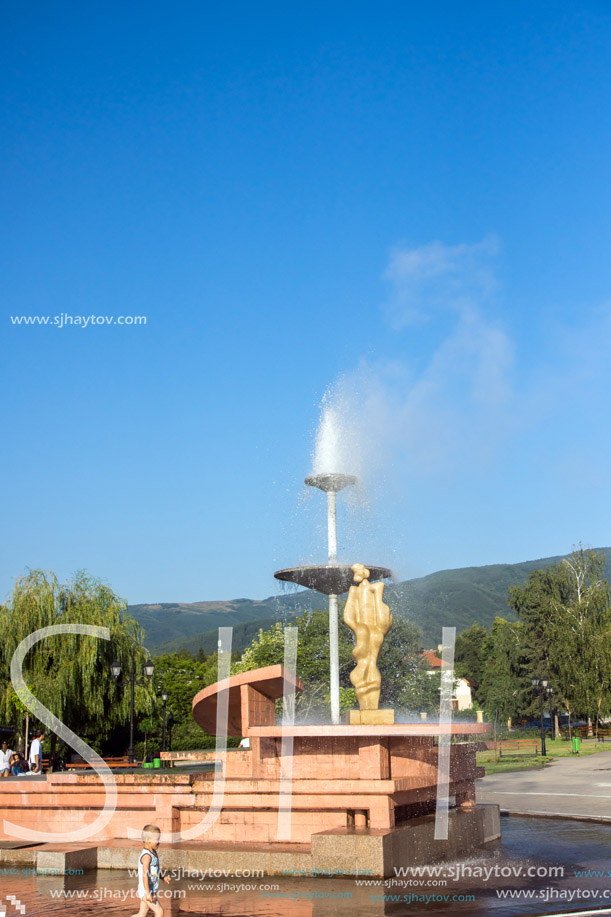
330,579
331,482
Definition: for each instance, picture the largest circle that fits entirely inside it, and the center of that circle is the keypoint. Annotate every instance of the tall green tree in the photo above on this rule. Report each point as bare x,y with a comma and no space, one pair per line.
312,657
471,651
400,650
420,686
70,673
505,690
182,676
566,614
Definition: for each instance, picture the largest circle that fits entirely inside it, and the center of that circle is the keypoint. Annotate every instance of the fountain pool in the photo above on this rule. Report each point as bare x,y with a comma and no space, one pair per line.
556,852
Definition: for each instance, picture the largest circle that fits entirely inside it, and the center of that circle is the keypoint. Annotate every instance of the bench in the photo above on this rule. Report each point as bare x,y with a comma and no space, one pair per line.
576,732
604,732
83,765
112,763
518,747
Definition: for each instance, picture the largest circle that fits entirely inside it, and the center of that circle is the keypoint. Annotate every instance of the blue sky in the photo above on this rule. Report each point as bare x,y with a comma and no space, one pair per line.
404,205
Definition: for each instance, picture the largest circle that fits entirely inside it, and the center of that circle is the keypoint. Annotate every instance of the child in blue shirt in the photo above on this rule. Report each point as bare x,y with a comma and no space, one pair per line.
149,873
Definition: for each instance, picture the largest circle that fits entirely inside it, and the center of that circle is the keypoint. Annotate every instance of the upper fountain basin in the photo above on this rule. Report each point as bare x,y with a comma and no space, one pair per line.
331,481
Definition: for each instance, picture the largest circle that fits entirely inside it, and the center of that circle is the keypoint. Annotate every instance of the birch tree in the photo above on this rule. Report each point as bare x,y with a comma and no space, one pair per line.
566,613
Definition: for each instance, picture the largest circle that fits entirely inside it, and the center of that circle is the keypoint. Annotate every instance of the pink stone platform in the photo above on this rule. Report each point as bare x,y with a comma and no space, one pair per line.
341,776
356,794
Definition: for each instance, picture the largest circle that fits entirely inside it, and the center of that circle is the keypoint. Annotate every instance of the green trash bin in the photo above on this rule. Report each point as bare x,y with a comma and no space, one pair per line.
576,745
156,762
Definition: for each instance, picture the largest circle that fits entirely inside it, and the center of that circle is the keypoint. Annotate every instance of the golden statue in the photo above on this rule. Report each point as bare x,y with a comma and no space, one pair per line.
370,619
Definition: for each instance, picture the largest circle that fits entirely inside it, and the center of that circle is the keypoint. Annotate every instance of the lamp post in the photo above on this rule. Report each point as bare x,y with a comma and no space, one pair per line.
170,724
541,687
550,693
164,698
115,669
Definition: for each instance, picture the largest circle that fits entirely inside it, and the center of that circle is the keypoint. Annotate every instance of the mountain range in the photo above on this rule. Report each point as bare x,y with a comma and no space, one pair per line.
448,598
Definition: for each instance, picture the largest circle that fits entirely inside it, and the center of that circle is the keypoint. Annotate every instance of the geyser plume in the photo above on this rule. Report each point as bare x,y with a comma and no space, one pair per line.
352,436
355,435
330,449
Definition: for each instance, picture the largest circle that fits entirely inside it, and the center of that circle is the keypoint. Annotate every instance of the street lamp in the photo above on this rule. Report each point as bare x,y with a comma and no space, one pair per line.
541,687
115,669
164,698
170,724
550,692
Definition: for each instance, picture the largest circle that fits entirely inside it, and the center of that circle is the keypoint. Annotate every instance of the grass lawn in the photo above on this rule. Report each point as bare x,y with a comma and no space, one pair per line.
559,748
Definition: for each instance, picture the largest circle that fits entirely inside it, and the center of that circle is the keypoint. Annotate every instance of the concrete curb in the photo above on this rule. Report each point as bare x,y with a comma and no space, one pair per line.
595,818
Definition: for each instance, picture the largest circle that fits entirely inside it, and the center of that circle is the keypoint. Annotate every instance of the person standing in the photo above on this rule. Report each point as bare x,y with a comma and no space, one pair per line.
6,755
35,758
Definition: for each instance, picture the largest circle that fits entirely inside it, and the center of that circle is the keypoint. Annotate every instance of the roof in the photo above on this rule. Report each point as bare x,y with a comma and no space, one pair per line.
432,659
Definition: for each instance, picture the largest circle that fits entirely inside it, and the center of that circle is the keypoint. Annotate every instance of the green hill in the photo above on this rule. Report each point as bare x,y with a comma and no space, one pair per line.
243,635
450,598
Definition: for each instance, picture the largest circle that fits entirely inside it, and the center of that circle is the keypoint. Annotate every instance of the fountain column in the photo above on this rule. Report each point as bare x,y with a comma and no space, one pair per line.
332,525
331,484
333,609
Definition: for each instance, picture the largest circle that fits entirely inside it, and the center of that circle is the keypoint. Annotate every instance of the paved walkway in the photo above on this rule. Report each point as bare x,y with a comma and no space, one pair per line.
577,787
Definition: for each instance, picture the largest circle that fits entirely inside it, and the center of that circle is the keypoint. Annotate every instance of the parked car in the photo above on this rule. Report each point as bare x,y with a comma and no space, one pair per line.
536,724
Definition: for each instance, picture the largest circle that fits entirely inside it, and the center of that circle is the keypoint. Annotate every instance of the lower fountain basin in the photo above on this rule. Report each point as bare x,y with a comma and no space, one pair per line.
330,579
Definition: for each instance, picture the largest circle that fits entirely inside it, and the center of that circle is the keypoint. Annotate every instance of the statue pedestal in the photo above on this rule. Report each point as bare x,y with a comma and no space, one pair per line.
370,717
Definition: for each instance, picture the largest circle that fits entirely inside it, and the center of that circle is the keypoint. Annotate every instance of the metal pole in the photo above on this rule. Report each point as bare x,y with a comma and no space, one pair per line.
543,750
332,525
132,680
163,731
334,658
333,610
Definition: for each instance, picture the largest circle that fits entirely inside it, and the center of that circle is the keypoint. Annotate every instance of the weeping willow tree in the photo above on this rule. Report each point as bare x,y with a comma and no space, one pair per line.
70,673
